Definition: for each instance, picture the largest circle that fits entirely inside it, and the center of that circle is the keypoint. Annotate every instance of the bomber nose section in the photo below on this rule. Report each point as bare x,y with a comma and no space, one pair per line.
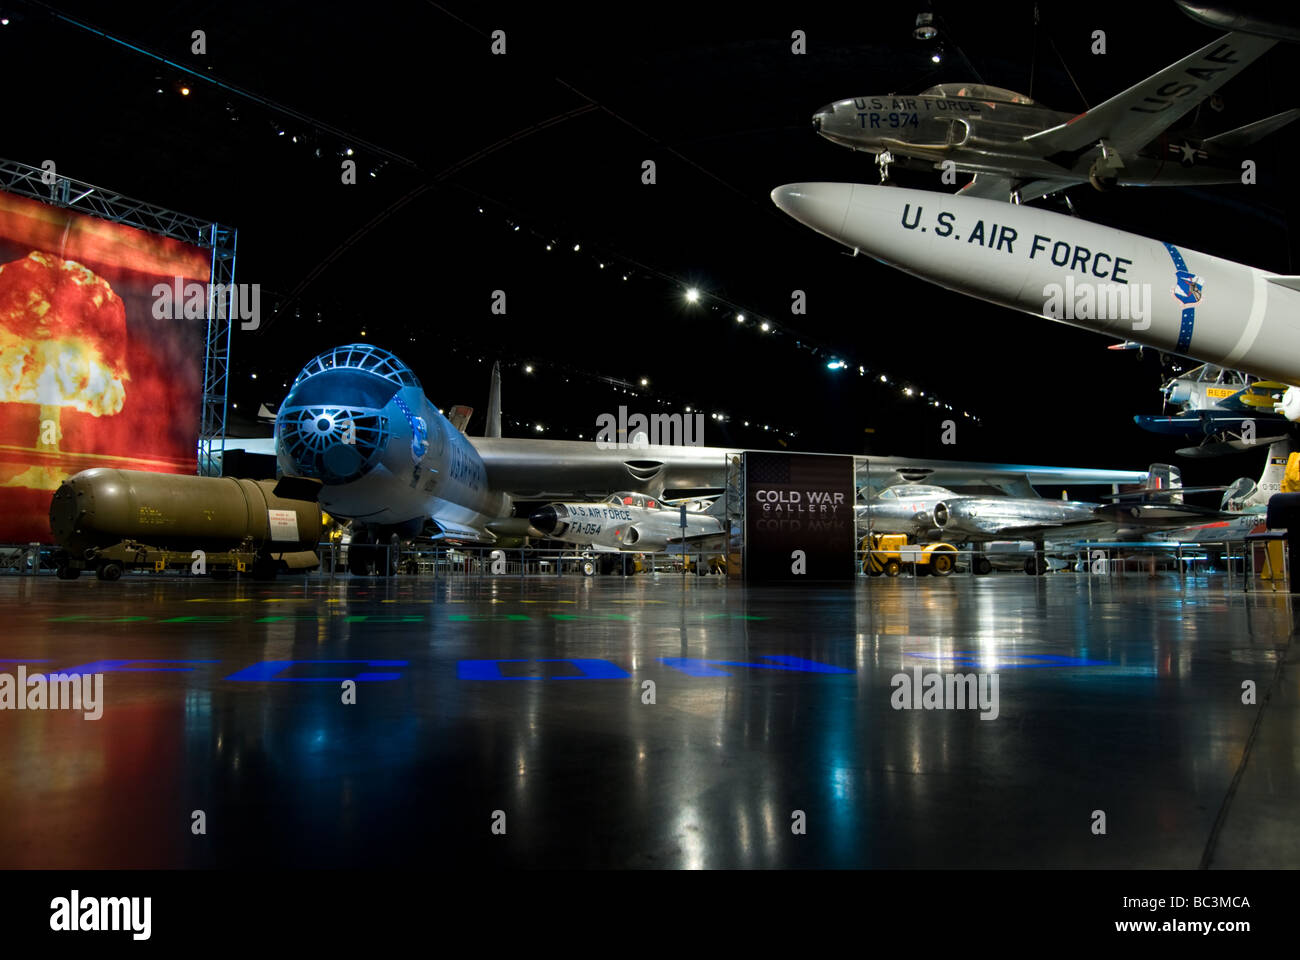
327,430
547,520
822,206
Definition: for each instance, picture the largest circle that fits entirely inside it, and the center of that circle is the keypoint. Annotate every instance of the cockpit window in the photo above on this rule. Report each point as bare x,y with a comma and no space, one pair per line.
345,387
977,91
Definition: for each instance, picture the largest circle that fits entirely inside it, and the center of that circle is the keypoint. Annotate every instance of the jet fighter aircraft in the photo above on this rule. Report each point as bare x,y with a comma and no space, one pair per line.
933,512
1020,150
629,521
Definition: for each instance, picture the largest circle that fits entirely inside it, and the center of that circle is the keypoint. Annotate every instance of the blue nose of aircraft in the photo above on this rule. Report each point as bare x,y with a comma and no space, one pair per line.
331,427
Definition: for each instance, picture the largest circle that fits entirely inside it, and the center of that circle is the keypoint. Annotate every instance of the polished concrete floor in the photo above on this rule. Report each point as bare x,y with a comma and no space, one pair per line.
520,705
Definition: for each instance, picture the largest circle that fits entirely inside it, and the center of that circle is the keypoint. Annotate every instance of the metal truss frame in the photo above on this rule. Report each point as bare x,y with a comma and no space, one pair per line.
50,187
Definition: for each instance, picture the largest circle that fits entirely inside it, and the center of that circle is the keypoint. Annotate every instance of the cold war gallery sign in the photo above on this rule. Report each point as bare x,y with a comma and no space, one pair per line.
799,523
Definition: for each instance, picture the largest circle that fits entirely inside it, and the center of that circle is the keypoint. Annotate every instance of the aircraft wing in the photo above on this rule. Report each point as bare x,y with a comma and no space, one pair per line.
987,186
537,469
1041,188
1130,120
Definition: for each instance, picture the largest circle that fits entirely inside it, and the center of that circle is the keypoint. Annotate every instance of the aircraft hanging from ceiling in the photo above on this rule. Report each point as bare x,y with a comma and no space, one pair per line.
1226,410
1068,270
1020,150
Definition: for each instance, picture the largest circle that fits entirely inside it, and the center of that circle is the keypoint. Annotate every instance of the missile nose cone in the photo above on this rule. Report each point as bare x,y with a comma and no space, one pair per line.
822,206
544,519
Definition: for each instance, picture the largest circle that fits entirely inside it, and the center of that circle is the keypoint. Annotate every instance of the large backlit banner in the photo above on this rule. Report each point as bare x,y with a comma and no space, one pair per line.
799,521
88,376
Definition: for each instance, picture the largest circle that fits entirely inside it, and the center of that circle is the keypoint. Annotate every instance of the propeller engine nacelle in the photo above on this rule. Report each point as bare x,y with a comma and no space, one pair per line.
1289,406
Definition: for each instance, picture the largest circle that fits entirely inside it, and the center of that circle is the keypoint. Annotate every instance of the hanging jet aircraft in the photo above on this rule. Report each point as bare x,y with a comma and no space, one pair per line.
1227,410
1065,269
356,419
631,521
1021,150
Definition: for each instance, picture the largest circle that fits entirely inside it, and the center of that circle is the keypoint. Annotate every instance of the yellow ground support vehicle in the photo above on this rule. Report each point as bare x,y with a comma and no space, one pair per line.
889,553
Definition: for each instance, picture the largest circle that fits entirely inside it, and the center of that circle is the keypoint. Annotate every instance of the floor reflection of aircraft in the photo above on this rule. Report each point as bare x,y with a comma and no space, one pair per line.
631,521
1018,148
1227,410
933,512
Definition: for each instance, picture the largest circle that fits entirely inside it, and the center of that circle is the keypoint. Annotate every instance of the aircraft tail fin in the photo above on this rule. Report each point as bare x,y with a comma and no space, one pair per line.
1274,477
459,416
1165,481
1251,132
718,508
493,426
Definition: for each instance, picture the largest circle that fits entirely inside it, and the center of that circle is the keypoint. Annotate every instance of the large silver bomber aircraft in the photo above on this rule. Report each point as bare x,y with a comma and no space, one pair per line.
1021,150
357,420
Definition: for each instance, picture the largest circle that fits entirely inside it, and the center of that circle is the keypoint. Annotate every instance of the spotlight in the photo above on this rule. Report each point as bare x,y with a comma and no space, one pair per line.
925,28
765,326
4,21
184,91
883,378
577,247
836,365
740,318
528,368
692,295
645,382
937,56
348,152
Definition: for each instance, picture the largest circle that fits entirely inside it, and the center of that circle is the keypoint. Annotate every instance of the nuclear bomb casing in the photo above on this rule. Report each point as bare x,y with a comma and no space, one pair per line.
104,506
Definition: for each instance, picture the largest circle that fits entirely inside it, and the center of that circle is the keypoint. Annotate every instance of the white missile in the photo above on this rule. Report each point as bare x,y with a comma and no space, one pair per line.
1061,268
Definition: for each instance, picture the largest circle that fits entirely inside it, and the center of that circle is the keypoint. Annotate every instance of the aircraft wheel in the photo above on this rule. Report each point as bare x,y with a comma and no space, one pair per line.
388,556
1035,566
589,568
893,568
109,571
65,572
981,566
941,563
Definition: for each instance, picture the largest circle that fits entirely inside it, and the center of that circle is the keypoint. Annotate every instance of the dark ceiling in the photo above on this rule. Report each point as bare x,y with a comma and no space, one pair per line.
548,141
